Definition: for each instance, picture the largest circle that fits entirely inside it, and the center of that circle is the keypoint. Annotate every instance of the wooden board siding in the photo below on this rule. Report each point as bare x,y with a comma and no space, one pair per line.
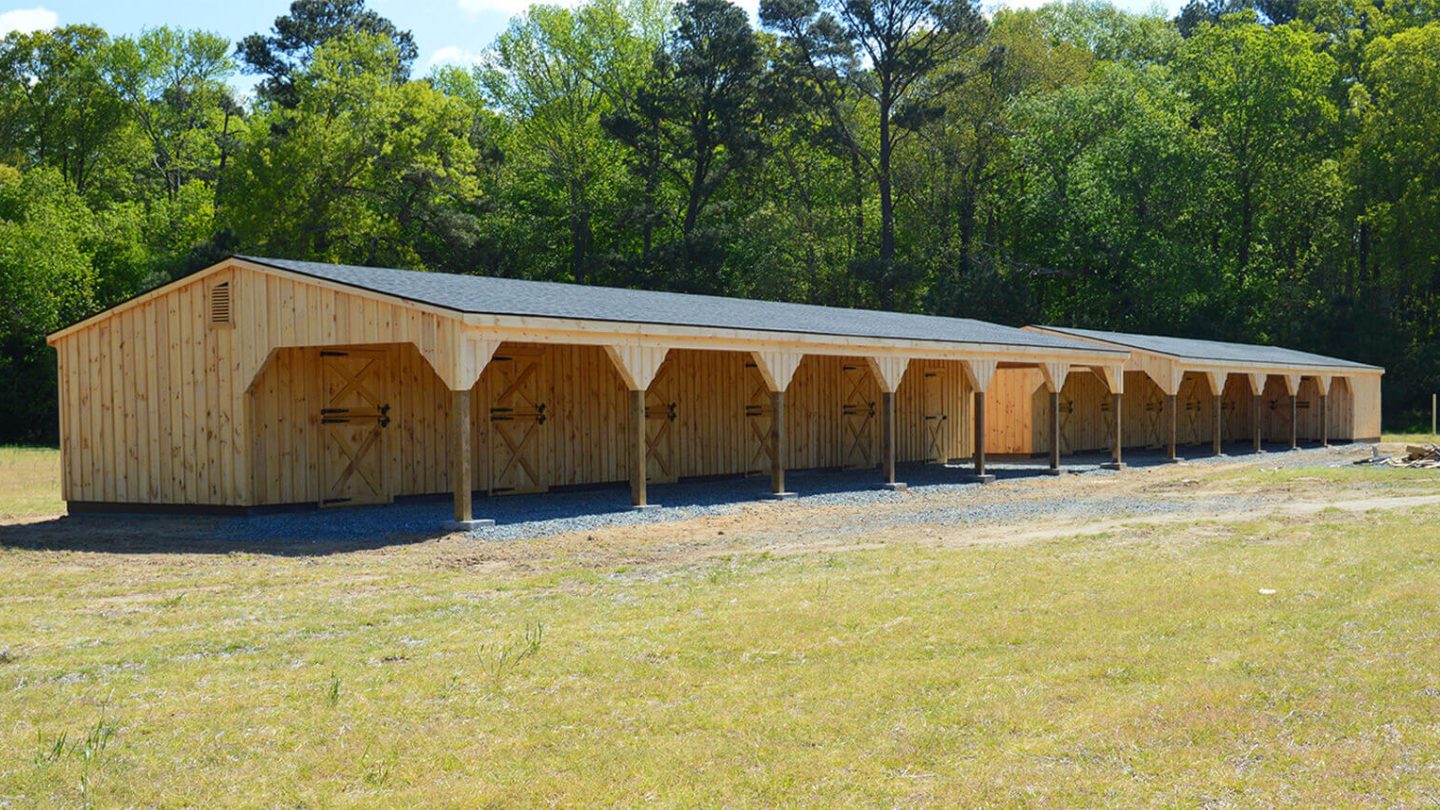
158,405
1014,402
155,397
1363,399
585,399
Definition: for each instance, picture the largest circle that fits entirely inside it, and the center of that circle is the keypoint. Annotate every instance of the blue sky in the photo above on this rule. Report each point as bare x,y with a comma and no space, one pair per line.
454,31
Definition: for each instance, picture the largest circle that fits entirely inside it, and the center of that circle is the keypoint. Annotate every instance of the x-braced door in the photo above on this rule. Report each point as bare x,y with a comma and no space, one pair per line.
353,419
935,416
1190,394
661,411
858,416
1157,423
518,439
1067,414
757,418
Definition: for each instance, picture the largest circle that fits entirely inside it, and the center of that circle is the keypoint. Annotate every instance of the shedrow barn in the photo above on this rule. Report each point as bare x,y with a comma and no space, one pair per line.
265,382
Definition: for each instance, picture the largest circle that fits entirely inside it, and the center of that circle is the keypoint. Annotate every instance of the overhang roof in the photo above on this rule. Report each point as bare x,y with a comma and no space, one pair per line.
515,297
1214,351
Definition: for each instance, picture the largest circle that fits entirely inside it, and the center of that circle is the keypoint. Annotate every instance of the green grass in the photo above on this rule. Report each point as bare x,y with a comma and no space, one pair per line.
1136,668
29,482
1410,438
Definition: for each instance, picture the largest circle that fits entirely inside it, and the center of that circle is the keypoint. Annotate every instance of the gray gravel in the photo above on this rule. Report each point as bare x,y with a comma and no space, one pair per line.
524,516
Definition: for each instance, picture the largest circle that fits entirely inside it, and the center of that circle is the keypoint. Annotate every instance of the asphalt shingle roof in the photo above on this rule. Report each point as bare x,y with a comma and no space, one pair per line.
505,296
1214,350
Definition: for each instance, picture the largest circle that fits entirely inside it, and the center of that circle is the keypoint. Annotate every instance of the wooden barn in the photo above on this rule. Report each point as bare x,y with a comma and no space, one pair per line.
259,382
1187,392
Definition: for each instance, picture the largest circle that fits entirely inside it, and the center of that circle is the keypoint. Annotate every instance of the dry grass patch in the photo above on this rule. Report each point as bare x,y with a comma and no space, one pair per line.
1146,666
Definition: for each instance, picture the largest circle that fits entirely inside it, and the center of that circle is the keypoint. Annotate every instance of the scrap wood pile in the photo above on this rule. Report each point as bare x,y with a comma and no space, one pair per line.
1417,456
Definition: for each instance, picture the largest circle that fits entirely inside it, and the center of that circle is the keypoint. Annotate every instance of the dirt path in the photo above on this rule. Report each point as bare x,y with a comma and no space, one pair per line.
1030,510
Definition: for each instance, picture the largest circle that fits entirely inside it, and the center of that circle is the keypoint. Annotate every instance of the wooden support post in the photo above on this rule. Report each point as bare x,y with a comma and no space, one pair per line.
1217,428
460,446
979,373
1170,403
979,451
1117,403
462,478
1055,431
1295,424
777,446
1258,422
639,452
887,438
1324,419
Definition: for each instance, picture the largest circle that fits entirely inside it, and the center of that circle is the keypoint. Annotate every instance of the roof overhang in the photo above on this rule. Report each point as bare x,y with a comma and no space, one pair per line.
545,329
1142,359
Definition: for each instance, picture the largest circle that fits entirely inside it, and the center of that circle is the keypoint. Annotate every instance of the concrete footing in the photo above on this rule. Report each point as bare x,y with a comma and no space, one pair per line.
1055,471
466,525
1113,465
987,478
645,507
896,486
781,496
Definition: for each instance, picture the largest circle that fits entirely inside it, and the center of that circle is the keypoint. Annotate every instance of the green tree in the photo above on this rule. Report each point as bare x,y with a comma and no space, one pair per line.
47,241
546,74
174,86
359,168
56,109
1262,99
295,38
898,55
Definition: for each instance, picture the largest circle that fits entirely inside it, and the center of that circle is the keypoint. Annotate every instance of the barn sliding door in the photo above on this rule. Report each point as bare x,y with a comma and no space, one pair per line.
519,441
353,419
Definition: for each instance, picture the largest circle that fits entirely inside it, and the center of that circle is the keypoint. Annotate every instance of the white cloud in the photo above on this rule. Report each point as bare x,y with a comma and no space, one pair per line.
451,55
26,20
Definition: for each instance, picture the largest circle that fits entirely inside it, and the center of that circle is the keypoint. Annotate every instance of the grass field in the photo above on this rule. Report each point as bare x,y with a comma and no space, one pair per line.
29,482
1266,661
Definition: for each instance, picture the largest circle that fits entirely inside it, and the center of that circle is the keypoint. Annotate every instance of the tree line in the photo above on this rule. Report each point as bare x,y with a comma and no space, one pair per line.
1259,171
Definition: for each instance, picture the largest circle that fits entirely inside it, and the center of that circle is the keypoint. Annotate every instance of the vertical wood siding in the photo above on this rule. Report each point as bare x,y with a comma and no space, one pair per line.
154,405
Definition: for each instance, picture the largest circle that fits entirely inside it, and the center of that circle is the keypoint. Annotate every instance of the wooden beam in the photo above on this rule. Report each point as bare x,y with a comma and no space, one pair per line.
777,445
637,364
639,451
1113,376
979,449
1168,377
979,373
460,453
777,368
1294,423
1292,383
889,370
887,438
1324,418
1259,431
1216,381
1216,427
1053,374
1257,382
1170,418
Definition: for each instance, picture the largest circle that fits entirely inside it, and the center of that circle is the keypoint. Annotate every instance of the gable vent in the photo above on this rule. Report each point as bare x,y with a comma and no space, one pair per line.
219,313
